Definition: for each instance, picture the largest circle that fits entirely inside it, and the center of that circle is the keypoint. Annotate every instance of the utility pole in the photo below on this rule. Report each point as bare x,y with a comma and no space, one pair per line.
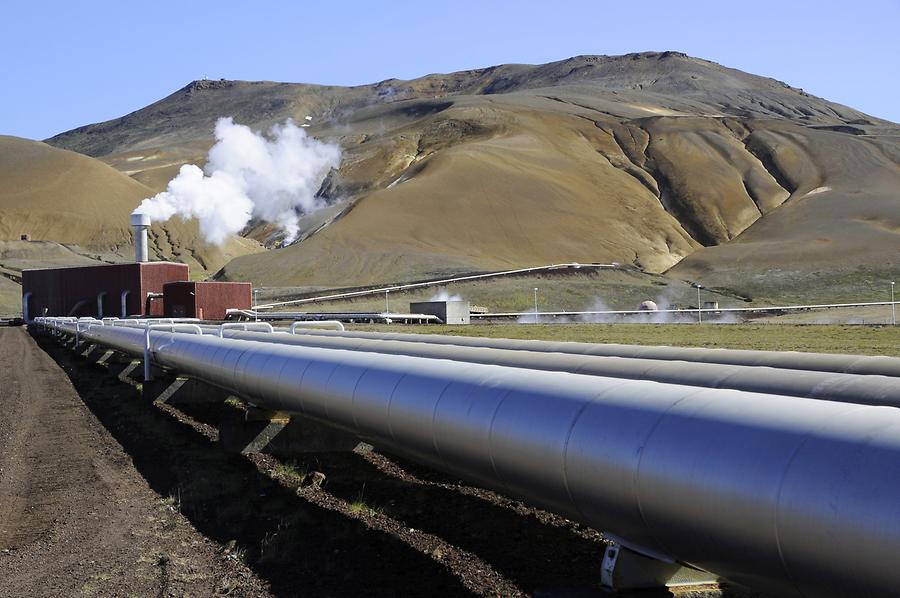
699,305
893,307
255,303
387,308
535,305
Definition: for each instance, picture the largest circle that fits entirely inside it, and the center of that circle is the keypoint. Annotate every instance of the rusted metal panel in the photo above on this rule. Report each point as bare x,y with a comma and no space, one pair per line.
205,300
154,275
214,298
153,306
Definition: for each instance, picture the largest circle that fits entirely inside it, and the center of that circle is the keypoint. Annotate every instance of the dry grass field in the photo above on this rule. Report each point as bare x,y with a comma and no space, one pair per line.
564,290
855,340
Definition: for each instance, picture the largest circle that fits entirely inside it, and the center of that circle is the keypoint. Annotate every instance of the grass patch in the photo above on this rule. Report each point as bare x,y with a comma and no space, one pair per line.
360,507
173,500
235,403
817,338
290,471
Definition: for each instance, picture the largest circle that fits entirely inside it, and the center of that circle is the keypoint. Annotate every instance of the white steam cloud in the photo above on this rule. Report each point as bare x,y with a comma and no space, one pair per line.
598,313
444,295
274,178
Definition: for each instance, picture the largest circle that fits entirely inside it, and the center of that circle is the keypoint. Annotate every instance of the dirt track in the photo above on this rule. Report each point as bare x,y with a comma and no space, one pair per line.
75,515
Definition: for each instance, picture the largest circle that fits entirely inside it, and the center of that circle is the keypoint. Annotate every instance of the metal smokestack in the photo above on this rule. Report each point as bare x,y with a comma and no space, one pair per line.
140,223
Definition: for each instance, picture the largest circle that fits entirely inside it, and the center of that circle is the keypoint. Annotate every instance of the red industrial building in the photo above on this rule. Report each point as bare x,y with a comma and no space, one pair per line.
205,300
159,289
117,290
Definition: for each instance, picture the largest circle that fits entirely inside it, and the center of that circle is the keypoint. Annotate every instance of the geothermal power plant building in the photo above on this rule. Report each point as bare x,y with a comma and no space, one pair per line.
160,289
116,290
142,288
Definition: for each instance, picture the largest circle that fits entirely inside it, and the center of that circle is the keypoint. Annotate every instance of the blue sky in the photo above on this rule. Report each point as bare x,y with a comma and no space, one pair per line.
66,64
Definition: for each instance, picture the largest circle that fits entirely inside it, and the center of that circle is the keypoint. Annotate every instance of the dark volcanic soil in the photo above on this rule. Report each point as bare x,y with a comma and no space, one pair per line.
105,493
76,518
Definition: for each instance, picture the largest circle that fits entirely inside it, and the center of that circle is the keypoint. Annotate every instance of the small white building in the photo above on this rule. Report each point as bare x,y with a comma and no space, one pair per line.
449,312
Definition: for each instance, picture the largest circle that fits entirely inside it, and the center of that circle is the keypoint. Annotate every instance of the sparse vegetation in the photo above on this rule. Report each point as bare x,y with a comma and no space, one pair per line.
359,506
269,546
862,340
238,553
290,471
173,500
565,290
235,403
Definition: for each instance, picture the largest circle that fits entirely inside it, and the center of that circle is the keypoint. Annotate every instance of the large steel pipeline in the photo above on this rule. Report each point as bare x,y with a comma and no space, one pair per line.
794,360
828,386
847,388
797,496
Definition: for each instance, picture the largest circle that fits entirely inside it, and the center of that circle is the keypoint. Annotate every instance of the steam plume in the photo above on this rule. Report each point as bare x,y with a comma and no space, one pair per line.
248,175
444,295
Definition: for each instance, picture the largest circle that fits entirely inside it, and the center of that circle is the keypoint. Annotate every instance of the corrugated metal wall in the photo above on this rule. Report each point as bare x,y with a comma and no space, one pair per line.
74,291
209,300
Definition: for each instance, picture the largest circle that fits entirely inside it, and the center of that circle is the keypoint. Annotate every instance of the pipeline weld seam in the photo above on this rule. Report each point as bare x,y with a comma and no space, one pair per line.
784,476
434,411
308,361
389,401
587,403
637,470
497,475
337,366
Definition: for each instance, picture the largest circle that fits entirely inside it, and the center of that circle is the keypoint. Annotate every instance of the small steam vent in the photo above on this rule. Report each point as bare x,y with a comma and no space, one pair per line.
139,224
648,306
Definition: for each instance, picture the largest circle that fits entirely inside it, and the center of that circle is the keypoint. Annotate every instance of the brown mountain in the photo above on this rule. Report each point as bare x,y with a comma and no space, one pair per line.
665,161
